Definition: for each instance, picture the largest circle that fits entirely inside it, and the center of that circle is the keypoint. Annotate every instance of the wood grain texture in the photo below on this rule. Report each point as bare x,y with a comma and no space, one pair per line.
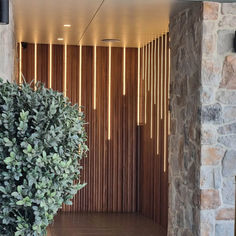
110,170
125,173
153,185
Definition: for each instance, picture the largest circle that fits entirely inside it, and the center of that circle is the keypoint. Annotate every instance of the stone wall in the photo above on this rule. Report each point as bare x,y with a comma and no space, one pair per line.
203,97
7,48
184,142
218,98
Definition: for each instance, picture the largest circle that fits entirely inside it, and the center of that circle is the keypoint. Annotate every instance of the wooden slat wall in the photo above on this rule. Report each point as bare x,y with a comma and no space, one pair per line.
110,168
155,87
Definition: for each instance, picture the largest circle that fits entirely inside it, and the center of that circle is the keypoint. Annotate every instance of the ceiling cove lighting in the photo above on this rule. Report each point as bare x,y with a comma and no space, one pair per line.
4,12
109,95
35,65
124,68
95,77
50,66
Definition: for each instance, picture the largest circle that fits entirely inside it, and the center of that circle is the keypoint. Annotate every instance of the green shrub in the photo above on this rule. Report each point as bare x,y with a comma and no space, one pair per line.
42,140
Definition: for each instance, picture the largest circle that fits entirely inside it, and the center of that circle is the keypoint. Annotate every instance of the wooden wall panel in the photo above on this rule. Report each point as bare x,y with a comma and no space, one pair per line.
125,173
154,132
110,170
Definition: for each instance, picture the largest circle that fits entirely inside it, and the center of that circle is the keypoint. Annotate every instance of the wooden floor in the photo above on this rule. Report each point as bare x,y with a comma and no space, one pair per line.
99,224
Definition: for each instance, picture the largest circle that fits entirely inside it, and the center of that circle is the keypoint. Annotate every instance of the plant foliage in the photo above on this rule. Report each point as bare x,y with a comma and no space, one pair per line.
42,140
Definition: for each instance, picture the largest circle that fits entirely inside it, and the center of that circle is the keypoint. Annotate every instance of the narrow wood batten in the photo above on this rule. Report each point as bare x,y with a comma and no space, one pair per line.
153,190
111,166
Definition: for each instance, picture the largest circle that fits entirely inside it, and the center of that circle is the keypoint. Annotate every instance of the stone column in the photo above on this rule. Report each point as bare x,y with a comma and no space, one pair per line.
7,48
184,142
202,159
218,98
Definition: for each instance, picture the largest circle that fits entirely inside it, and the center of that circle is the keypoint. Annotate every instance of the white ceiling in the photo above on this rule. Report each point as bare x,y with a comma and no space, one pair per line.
134,22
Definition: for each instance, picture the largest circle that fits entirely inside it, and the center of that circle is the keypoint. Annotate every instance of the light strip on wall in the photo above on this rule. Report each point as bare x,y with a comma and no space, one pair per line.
124,68
50,66
151,102
155,71
158,97
65,71
20,63
165,106
109,95
80,76
138,96
145,120
95,78
162,58
35,65
169,93
143,63
149,66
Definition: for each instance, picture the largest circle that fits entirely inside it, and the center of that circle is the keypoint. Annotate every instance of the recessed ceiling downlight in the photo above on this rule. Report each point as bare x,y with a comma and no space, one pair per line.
110,40
67,25
60,39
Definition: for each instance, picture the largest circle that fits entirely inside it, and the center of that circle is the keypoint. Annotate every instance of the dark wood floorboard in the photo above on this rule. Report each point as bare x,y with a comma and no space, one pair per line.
99,224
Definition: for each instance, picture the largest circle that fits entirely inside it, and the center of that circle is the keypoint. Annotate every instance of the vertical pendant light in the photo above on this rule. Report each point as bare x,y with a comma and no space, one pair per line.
4,12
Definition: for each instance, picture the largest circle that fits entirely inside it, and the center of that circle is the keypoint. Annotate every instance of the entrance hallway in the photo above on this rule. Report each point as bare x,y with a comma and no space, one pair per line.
99,224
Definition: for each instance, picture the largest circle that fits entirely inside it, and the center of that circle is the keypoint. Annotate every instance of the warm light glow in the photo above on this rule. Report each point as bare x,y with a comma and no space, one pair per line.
145,86
158,96
95,77
165,106
65,71
124,68
148,66
20,63
67,25
161,76
109,95
138,97
60,39
50,66
143,64
35,65
80,76
169,131
151,102
155,71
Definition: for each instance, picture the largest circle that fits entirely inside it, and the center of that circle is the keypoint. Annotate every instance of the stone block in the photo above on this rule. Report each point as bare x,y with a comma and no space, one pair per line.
209,44
228,21
229,164
225,41
211,73
228,8
224,229
206,177
227,129
228,141
228,190
212,113
210,199
229,73
211,155
207,95
210,10
217,177
208,134
226,97
225,214
229,114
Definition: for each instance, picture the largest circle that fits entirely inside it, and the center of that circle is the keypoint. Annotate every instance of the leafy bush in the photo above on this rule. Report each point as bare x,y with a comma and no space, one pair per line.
42,140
